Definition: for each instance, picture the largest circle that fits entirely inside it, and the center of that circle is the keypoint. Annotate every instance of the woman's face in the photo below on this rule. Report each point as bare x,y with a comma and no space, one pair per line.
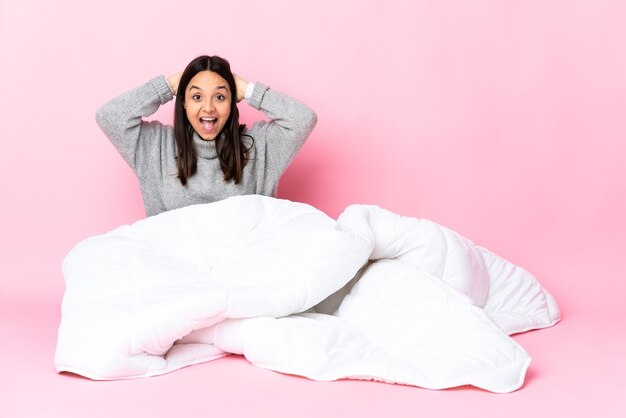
207,104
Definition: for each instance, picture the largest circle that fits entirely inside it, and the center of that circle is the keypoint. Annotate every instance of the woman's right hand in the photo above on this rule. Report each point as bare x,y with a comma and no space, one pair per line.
173,81
241,85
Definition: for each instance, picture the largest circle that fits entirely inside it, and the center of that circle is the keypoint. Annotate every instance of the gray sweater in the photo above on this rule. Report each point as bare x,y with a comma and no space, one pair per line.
150,148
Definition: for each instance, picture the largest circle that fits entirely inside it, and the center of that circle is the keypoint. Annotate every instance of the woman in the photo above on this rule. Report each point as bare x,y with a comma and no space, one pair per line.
207,155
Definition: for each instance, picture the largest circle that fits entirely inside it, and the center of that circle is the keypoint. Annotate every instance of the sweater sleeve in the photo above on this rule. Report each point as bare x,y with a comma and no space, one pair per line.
290,124
121,120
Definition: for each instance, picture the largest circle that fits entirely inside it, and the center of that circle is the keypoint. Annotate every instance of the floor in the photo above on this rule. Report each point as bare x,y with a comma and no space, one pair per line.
577,371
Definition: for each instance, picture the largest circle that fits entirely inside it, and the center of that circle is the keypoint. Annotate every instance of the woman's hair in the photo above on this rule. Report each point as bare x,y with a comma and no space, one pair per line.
229,144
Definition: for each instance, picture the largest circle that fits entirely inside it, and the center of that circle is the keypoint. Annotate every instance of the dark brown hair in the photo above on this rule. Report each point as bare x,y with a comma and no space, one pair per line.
231,150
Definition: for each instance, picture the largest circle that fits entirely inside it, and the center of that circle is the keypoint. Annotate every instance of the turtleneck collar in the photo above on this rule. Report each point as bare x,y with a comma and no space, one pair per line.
205,149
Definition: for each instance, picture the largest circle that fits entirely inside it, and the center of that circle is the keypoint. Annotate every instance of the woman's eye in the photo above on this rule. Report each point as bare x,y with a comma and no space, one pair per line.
221,97
196,97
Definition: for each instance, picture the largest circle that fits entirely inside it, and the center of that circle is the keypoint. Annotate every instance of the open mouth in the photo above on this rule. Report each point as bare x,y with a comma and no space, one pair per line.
208,123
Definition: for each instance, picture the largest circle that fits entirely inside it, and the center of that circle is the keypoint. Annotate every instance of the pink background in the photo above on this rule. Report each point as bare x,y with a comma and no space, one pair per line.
503,120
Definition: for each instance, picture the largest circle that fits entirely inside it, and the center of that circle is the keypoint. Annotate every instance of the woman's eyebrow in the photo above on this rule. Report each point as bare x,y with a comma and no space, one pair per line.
224,87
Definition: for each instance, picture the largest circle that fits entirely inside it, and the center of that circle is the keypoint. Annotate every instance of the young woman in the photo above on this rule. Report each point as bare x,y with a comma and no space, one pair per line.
207,155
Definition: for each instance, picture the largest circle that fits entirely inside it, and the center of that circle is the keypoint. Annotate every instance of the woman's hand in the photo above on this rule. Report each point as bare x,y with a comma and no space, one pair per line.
241,85
173,81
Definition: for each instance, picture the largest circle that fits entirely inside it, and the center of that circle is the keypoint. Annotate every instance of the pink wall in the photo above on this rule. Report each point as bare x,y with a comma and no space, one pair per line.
503,120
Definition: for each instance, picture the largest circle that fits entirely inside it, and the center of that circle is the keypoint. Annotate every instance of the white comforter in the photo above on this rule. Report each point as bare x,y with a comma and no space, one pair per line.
373,295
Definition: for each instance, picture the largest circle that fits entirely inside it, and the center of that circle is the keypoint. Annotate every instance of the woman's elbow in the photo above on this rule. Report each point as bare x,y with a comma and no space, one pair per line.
310,120
102,116
107,119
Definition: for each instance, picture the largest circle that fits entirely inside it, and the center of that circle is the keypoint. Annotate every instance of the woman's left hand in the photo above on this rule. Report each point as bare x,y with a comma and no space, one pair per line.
241,85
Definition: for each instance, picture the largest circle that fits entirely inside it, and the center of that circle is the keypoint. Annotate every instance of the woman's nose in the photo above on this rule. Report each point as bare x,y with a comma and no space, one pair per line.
208,105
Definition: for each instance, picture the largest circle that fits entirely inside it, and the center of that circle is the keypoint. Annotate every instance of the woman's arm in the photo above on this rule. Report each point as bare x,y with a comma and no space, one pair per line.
121,121
291,122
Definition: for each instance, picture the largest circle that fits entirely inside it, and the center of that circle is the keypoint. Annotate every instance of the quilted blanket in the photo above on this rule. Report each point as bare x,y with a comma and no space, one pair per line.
372,295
